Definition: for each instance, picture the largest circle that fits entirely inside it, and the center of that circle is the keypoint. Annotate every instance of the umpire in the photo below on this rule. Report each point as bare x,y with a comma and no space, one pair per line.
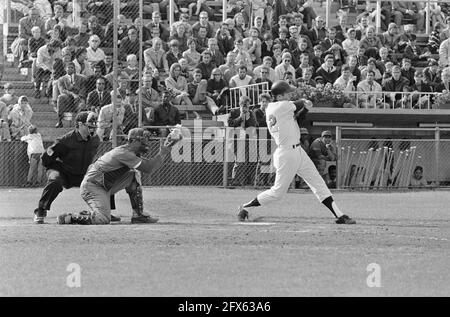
67,161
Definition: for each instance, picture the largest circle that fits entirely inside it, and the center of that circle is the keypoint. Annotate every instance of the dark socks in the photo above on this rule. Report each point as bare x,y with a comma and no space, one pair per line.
328,202
253,203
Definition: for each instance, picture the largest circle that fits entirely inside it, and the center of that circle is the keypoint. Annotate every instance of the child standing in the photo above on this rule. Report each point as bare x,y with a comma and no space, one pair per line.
34,150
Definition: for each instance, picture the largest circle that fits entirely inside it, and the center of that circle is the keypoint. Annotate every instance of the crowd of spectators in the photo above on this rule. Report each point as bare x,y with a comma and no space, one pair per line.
198,62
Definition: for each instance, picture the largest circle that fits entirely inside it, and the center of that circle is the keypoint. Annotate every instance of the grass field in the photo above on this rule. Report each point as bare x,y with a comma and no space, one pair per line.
199,249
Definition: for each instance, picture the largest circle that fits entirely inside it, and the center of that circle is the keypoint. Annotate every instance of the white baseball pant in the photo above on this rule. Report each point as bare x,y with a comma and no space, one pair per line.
288,162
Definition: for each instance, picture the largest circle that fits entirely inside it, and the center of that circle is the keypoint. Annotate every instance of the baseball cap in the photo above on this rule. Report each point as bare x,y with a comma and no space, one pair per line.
281,87
304,131
326,133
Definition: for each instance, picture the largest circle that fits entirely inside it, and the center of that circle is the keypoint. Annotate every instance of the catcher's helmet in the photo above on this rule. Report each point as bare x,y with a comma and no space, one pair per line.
281,87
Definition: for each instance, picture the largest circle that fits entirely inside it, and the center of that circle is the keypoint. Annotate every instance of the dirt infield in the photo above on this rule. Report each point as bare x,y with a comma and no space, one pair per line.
198,248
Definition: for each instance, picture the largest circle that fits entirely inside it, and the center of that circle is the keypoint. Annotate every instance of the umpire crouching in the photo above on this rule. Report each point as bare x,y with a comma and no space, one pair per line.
67,161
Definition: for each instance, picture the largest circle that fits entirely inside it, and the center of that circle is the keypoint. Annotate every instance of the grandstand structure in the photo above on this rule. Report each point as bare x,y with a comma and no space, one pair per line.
322,116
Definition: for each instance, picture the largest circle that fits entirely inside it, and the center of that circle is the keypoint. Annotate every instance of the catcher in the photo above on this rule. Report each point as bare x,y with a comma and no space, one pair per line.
116,170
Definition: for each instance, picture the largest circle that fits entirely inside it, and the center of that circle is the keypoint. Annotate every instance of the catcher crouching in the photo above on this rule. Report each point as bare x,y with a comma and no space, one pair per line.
119,169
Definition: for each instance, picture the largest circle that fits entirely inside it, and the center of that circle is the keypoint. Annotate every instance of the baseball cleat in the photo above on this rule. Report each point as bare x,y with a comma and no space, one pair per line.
115,219
143,219
243,214
39,216
346,220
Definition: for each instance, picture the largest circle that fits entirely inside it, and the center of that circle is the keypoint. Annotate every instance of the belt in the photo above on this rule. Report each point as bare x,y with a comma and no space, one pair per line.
296,145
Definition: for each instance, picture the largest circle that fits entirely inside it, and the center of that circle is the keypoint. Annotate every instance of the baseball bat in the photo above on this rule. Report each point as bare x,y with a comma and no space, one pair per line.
371,168
355,173
396,168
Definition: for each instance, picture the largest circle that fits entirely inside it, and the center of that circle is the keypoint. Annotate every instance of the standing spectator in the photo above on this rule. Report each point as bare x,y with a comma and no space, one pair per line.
20,118
99,97
445,34
305,7
321,151
105,118
5,135
216,56
72,89
46,56
177,85
35,149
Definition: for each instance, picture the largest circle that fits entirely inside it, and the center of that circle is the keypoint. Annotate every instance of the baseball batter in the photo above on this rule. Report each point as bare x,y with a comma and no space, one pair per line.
289,158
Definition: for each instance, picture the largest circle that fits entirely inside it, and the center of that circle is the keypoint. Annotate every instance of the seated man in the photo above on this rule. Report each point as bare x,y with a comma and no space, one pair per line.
72,93
414,10
321,151
198,93
166,114
369,95
4,126
99,97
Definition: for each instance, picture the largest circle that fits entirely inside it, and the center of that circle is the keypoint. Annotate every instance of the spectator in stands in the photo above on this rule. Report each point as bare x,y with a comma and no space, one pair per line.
241,55
102,9
267,45
244,119
445,34
252,45
35,149
99,97
372,66
260,112
317,59
46,56
181,36
156,23
321,151
35,42
387,72
82,38
146,33
229,69
155,57
307,75
353,64
105,117
240,80
289,78
174,54
444,85
58,19
300,50
305,7
304,64
72,89
277,54
342,29
131,115
206,65
328,71
283,39
192,56
9,97
419,100
91,81
258,24
5,135
224,39
203,22
361,28
108,63
217,89
407,70
82,67
27,23
361,57
130,44
413,10
284,67
264,78
185,72
94,53
369,92
239,31
434,40
346,81
166,114
371,42
150,94
20,118
95,28
178,85
294,38
396,85
391,37
384,58
404,38
201,40
350,44
330,39
415,53
338,53
444,53
216,55
122,31
267,63
432,74
56,34
197,91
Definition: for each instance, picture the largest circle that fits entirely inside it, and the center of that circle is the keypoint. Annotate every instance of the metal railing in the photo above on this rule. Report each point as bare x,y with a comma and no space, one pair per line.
252,91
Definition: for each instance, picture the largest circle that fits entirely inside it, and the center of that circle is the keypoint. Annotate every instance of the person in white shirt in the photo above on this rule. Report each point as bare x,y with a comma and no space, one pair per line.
289,158
35,149
267,62
94,54
369,92
351,44
45,59
284,67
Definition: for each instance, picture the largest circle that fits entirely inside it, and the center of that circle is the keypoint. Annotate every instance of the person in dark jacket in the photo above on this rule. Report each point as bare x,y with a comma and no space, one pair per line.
166,114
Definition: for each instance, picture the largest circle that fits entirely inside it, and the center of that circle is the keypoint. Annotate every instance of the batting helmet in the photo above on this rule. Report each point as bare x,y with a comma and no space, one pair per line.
281,87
